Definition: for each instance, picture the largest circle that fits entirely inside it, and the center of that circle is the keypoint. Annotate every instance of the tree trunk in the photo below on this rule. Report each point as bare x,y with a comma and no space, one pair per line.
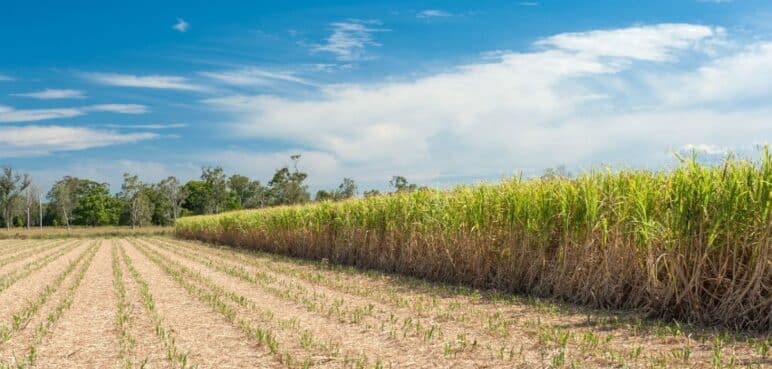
66,218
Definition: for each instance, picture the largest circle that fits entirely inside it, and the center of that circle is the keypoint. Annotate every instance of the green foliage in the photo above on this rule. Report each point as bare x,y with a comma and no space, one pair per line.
286,187
346,190
11,186
401,184
198,197
95,206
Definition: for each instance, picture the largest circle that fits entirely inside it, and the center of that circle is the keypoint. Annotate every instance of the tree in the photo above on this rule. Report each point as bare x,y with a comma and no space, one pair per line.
11,185
63,198
239,186
323,195
558,172
401,184
198,197
286,187
95,205
218,187
174,193
31,198
259,196
370,193
346,190
134,196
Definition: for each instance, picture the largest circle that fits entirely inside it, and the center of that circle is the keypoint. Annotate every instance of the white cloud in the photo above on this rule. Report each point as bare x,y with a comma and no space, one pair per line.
569,102
741,75
5,78
653,43
51,93
181,25
149,81
148,126
704,148
252,76
350,39
430,13
11,115
118,108
42,140
528,3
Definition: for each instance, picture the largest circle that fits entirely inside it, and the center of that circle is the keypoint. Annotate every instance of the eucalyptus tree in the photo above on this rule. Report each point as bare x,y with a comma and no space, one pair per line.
133,195
217,183
287,187
63,197
175,194
31,199
11,185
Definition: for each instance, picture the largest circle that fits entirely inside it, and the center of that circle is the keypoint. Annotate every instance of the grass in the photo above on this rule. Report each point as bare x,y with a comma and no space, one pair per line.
692,243
82,232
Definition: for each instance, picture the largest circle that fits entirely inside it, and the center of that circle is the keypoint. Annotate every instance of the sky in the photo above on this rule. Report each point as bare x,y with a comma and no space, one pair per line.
442,92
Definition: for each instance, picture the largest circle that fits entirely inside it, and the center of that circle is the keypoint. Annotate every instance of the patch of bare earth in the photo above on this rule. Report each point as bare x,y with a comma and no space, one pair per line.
358,330
85,337
209,339
27,288
18,258
397,338
22,338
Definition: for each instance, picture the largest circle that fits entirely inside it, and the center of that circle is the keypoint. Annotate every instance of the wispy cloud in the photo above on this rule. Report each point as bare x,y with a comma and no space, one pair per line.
181,25
42,140
652,43
252,76
11,115
118,108
148,81
148,126
430,13
3,77
528,3
50,94
350,39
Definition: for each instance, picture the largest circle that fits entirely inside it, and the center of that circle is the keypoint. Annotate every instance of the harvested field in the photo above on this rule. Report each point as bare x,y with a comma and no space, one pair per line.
157,302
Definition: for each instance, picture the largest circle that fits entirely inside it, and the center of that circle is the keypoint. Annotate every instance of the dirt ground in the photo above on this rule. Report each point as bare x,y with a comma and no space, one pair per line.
157,302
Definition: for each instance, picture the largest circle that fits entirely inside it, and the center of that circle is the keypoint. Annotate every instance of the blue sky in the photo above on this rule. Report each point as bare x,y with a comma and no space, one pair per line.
442,92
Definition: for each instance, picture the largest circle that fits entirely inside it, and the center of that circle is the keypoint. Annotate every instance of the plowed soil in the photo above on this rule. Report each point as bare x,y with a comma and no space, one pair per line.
157,302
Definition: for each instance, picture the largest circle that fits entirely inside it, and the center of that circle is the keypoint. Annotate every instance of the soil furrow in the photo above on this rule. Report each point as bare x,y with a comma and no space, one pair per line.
23,348
22,257
199,330
85,336
356,341
26,289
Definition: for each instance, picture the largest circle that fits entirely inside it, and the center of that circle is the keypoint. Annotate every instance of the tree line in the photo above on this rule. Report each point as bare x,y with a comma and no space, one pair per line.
84,202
